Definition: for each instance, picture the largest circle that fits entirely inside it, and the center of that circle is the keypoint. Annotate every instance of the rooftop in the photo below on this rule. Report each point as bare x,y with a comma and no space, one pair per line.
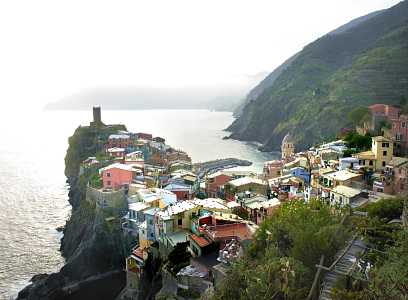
177,187
398,161
231,173
152,211
138,206
246,180
119,136
177,208
137,252
381,139
178,237
134,153
365,155
212,203
342,175
116,166
115,150
346,191
227,231
200,241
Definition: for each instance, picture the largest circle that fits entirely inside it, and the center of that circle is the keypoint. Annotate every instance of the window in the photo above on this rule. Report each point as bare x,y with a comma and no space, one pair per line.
108,174
363,162
108,182
403,124
180,222
383,163
370,162
384,153
398,137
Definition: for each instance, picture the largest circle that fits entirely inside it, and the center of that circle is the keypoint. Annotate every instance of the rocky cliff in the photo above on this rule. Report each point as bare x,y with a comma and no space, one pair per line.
91,245
359,64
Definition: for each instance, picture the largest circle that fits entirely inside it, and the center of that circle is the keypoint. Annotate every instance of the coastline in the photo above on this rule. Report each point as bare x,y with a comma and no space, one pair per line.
81,237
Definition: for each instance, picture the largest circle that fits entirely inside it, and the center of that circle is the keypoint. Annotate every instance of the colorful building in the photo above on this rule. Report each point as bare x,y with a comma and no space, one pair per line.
118,141
116,175
116,152
244,184
344,195
379,156
182,191
214,184
395,177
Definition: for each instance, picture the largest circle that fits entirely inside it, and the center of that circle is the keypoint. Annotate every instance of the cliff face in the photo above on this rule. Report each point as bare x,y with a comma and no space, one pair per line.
359,64
90,245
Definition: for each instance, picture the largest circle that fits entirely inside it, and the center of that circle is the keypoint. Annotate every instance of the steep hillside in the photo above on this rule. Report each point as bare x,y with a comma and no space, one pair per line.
359,65
264,84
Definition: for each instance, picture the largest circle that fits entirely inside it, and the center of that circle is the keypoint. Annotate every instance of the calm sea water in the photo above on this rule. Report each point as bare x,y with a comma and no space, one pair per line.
33,192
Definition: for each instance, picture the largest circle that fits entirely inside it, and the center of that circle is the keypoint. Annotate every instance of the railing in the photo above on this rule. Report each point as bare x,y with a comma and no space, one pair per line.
315,289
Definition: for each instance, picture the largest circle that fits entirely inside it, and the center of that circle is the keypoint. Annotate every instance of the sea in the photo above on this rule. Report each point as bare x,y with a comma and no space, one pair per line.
33,189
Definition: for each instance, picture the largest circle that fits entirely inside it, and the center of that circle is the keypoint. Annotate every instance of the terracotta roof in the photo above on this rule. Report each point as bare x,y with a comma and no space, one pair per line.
200,241
240,231
138,252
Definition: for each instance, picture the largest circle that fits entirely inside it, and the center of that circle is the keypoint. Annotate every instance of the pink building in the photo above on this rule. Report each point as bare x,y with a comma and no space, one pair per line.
397,170
116,175
398,132
384,110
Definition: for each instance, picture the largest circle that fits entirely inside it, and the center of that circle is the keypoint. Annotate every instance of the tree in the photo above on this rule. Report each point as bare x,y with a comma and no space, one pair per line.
386,209
359,115
280,261
358,142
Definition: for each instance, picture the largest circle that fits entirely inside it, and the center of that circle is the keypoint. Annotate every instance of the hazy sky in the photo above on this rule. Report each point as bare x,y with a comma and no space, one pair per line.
51,49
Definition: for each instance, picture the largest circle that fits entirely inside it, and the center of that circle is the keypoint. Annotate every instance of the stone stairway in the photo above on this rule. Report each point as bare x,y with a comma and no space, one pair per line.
342,267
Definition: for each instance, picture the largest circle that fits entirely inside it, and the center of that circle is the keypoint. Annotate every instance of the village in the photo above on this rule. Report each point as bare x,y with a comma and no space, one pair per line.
200,223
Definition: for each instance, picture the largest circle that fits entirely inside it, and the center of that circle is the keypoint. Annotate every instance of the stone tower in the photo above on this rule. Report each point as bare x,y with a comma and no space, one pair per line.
288,147
97,115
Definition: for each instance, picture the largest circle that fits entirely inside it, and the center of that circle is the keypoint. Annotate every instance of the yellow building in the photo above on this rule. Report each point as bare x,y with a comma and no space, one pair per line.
379,156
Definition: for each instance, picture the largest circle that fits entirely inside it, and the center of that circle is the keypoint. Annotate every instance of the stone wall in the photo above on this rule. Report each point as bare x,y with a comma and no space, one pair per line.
106,200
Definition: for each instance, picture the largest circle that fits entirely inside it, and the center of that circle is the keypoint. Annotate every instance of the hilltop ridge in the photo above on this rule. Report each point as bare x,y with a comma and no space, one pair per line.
356,65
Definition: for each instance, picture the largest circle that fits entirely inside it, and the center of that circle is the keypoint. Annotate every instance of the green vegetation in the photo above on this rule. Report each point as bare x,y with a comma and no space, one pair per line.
95,181
330,82
85,142
386,209
280,262
356,143
178,258
359,115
